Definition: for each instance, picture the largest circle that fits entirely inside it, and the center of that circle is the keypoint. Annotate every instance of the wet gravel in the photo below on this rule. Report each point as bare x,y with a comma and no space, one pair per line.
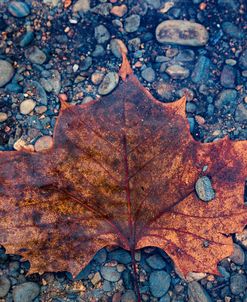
49,51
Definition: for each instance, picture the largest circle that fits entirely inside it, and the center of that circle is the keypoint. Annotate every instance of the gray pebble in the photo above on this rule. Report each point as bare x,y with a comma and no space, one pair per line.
185,55
238,256
204,189
4,286
109,83
178,72
117,47
159,283
197,293
38,91
35,55
156,262
101,34
181,32
102,9
26,292
154,3
18,9
201,71
165,298
148,74
120,255
229,4
99,51
232,30
238,284
241,113
6,72
228,76
226,97
243,60
86,63
110,273
129,296
134,44
27,39
132,23
107,286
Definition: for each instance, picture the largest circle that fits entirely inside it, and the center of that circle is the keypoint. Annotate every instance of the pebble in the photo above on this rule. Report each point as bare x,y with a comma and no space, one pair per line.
156,262
117,46
81,6
238,256
97,77
178,72
35,55
182,33
185,55
167,298
241,113
129,296
26,292
38,91
18,9
243,60
132,23
43,143
6,72
3,117
109,83
99,51
229,4
110,273
228,76
238,284
204,189
232,30
27,106
120,255
4,286
154,3
101,34
86,63
102,9
159,283
27,39
226,98
201,70
197,293
164,90
96,278
119,10
148,74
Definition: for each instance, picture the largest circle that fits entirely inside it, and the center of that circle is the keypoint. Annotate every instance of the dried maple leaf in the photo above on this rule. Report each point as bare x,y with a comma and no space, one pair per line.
122,171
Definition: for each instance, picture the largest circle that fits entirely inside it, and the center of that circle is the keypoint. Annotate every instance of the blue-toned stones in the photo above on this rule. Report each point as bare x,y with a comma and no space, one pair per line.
204,189
18,9
6,72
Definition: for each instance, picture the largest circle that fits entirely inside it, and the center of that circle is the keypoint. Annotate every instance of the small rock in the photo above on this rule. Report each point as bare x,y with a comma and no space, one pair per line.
43,143
232,30
231,62
38,91
201,71
192,276
148,74
109,83
129,296
101,34
185,55
3,117
243,60
26,292
81,6
204,189
166,298
182,33
18,9
120,255
102,9
35,55
117,47
6,72
96,278
229,4
27,38
86,63
99,51
134,44
241,113
156,262
238,256
154,3
97,77
110,273
164,90
242,238
4,286
119,10
226,98
159,283
197,293
27,106
228,76
132,23
178,72
238,284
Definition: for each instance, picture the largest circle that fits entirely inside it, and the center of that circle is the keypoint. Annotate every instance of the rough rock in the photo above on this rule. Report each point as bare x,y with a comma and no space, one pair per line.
4,286
26,292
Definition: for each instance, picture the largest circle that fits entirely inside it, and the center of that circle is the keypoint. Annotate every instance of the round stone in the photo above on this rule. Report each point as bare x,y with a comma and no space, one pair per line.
18,9
117,47
128,296
181,32
6,72
4,286
101,34
109,83
156,262
26,292
43,143
81,6
132,23
27,106
238,284
148,74
119,10
159,283
197,293
204,189
3,117
110,273
238,256
35,55
226,97
178,72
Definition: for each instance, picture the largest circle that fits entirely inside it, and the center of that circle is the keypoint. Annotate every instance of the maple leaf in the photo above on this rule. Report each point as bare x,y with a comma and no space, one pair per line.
122,171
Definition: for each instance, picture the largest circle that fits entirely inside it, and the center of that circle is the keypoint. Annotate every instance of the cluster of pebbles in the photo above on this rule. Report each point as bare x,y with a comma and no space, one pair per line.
56,49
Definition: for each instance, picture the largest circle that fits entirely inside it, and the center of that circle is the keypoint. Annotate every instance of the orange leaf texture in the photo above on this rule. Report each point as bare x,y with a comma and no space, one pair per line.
123,171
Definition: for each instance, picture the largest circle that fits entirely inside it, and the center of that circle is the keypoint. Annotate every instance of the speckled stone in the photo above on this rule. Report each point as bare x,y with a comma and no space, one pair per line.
6,72
18,9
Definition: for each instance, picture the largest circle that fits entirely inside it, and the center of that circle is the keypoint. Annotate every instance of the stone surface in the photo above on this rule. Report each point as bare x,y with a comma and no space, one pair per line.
35,55
117,46
132,23
238,257
182,33
109,83
238,283
197,293
119,10
27,106
243,60
4,286
3,117
43,143
178,72
148,74
120,255
156,262
110,273
6,72
101,34
159,283
81,6
129,296
204,189
26,292
201,70
18,9
226,98
232,30
228,76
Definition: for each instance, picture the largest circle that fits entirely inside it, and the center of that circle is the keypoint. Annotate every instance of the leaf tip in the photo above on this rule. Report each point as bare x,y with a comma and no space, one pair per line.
125,69
63,101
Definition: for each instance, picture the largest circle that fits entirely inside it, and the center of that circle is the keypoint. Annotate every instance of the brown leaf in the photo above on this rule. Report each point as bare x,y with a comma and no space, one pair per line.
122,171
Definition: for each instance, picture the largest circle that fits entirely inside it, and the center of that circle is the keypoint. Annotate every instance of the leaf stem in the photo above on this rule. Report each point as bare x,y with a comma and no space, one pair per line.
134,267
